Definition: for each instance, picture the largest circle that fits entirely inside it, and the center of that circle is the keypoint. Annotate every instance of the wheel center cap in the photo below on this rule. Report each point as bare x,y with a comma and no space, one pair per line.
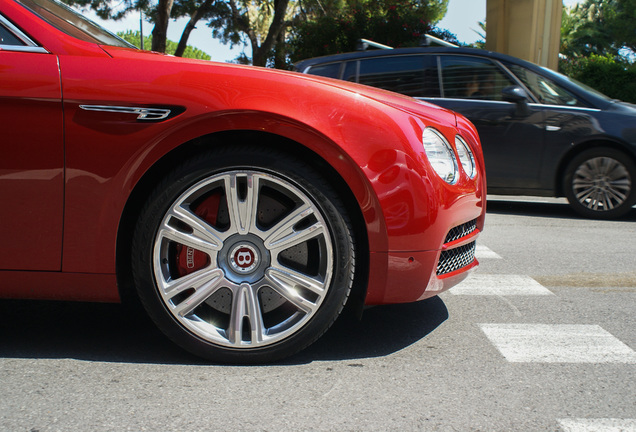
601,183
244,258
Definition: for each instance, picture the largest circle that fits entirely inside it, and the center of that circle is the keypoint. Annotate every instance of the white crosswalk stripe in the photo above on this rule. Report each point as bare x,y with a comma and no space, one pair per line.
549,343
502,285
482,252
598,425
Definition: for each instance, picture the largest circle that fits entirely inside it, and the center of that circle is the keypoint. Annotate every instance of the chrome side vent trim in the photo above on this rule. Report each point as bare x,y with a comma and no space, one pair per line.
144,114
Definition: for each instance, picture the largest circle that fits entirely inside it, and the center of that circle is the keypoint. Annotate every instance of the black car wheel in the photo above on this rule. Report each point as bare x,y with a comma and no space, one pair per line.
599,183
243,255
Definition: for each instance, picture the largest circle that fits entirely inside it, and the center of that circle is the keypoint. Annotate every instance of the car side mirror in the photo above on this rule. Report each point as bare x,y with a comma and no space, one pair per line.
517,95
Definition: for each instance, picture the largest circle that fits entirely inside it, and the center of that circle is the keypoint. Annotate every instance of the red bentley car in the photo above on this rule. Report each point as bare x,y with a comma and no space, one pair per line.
245,207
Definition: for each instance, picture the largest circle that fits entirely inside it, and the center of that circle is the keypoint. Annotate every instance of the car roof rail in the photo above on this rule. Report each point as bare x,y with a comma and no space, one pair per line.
363,44
428,39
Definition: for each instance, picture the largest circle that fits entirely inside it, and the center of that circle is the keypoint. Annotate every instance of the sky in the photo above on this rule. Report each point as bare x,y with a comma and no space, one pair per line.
461,19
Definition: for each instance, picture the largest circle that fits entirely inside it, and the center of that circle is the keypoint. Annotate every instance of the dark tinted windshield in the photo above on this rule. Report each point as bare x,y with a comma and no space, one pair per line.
70,22
547,91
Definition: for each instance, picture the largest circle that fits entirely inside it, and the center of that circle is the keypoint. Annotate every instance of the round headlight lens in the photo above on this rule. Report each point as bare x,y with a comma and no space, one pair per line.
440,155
465,157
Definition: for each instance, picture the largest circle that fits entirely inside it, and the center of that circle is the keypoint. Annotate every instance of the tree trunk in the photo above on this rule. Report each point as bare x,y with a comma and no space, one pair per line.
160,31
183,42
259,55
280,53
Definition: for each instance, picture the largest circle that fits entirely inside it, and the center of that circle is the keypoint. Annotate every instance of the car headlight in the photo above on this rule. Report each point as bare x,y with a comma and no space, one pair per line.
466,157
440,155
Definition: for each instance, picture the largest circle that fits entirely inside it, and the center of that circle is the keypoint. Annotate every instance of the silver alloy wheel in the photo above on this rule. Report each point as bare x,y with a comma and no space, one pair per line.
601,184
243,259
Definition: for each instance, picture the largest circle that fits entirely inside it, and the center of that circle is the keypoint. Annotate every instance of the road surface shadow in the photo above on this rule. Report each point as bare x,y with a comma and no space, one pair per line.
84,331
114,333
382,331
542,209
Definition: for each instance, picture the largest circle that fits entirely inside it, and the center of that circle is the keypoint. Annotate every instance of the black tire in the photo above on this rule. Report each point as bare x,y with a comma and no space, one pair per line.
243,255
599,183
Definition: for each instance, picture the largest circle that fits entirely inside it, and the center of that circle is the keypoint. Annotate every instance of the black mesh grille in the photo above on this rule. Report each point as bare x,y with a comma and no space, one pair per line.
461,231
454,259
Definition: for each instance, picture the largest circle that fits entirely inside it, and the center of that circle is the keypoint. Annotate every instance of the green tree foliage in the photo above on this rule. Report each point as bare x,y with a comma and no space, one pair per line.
259,22
159,12
615,78
389,22
134,37
599,27
622,19
482,34
273,27
595,35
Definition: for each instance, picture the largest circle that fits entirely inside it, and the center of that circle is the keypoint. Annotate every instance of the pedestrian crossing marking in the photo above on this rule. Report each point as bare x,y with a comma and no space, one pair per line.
500,285
560,343
482,252
598,425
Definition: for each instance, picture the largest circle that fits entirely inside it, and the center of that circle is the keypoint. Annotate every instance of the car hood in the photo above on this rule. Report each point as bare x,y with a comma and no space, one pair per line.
395,100
622,107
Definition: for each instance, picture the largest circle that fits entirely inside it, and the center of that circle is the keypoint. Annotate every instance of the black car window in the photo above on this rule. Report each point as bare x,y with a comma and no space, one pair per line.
472,78
414,75
351,71
546,90
330,70
8,38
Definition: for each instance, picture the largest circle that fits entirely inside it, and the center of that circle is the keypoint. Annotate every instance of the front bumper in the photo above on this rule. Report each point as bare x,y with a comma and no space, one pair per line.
414,276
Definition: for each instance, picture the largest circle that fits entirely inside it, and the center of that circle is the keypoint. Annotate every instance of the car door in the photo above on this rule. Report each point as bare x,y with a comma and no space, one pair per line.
569,120
32,162
513,140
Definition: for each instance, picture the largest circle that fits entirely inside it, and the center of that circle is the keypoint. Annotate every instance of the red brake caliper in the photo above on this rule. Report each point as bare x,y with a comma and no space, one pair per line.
189,259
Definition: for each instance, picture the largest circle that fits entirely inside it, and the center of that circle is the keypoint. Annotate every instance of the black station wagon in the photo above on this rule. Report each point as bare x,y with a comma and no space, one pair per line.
543,134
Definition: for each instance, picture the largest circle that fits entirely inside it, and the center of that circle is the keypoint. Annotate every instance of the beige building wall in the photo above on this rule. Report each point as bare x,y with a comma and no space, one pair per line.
528,29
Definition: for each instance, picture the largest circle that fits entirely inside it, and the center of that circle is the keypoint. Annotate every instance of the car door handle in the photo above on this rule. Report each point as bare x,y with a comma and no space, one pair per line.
552,128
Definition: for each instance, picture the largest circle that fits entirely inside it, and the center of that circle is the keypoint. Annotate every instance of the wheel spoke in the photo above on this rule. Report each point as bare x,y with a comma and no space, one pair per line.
242,208
283,235
287,282
204,283
202,236
603,201
582,194
246,311
619,190
586,173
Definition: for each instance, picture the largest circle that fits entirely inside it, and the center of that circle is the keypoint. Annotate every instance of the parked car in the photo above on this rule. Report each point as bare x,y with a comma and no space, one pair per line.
243,206
542,133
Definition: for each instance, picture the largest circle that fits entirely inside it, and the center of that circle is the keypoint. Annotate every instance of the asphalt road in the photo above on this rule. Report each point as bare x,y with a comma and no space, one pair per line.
542,337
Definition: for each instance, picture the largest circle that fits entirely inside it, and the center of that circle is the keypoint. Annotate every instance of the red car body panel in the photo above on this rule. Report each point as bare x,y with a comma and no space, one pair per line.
31,175
72,175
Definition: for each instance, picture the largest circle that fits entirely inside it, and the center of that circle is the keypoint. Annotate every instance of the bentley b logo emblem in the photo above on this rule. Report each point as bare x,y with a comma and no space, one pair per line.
244,258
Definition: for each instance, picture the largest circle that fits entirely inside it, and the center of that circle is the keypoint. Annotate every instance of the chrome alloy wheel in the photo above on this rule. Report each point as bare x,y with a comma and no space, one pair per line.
601,184
243,259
